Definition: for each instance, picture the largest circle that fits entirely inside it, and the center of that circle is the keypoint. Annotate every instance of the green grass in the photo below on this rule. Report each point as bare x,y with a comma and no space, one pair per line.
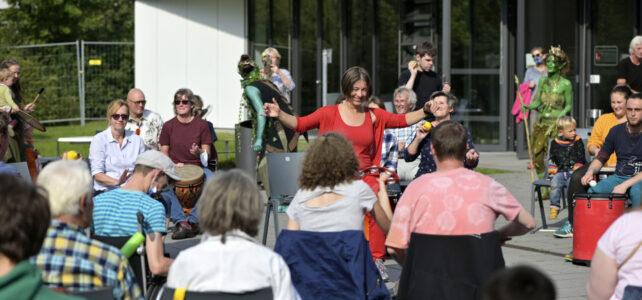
488,171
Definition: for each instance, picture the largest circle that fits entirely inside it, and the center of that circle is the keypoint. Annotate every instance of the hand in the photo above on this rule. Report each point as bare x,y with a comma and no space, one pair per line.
471,157
383,177
123,177
275,69
620,189
401,146
29,107
531,85
446,87
258,145
271,109
262,73
421,133
179,165
195,150
432,106
523,108
412,67
587,177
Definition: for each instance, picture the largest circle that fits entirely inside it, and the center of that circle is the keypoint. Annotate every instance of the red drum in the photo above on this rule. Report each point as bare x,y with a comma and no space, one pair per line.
593,214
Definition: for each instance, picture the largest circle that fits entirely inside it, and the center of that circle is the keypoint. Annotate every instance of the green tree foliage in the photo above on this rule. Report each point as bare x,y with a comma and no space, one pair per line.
52,21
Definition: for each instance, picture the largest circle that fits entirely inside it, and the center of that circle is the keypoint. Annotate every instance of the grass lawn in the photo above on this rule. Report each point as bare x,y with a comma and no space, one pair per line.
488,171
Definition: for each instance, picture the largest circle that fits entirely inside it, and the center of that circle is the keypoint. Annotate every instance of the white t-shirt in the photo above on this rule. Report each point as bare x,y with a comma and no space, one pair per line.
240,265
617,243
344,214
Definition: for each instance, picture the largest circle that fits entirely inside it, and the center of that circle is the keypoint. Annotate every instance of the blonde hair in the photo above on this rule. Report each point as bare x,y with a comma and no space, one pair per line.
230,200
564,121
5,73
114,106
66,181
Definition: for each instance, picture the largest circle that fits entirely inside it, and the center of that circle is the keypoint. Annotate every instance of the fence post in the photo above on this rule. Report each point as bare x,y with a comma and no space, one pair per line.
80,60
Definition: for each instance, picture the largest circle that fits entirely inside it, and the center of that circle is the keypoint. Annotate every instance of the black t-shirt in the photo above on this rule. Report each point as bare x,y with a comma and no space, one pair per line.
425,84
632,74
268,92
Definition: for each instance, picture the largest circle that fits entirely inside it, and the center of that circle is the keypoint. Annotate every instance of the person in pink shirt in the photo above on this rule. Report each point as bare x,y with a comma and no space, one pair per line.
453,200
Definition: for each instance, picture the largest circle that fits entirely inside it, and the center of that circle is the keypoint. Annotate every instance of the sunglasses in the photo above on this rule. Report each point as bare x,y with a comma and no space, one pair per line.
118,117
141,102
184,102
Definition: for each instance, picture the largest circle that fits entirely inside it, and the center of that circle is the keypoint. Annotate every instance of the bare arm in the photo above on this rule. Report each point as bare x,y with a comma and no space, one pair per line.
418,115
603,277
105,180
293,225
624,186
412,67
413,148
381,210
594,167
158,263
273,110
165,149
521,225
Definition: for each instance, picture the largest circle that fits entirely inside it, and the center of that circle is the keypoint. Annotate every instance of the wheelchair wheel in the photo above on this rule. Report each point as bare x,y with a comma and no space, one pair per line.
154,287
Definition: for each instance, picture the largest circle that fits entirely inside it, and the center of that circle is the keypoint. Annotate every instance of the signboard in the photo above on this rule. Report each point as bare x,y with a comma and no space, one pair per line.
605,56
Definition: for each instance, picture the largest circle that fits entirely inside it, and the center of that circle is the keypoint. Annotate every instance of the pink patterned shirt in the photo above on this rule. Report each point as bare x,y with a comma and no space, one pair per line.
453,202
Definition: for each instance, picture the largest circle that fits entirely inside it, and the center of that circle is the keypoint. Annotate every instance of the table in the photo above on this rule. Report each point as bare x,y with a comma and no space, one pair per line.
72,140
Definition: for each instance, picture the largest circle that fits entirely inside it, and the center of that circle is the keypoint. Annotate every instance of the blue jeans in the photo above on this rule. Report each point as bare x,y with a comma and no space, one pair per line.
175,208
558,182
607,185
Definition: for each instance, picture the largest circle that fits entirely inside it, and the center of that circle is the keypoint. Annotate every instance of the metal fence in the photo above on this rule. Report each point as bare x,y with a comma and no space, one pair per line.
80,78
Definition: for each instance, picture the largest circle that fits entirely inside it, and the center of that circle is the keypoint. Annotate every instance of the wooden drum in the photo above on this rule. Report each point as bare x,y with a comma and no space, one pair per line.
189,189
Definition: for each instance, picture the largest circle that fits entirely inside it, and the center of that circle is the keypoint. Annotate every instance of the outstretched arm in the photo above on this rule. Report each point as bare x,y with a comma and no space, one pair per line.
254,95
273,110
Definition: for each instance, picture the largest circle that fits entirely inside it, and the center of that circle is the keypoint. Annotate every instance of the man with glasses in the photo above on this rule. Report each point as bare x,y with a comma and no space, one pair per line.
143,122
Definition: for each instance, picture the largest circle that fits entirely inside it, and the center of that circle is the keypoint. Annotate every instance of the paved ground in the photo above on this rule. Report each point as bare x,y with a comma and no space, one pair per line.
540,250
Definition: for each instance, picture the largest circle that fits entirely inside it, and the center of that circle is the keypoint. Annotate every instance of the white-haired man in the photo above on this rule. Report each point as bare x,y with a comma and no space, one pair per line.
404,102
68,258
143,122
115,211
630,69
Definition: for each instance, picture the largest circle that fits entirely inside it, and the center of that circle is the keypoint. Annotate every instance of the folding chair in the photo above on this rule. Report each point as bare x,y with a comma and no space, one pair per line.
537,188
23,169
283,171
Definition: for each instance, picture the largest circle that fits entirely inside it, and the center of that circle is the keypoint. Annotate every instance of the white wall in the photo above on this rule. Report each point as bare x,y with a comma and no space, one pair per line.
194,44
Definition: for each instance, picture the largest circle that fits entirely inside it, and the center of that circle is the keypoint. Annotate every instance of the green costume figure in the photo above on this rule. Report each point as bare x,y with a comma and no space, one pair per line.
269,134
553,100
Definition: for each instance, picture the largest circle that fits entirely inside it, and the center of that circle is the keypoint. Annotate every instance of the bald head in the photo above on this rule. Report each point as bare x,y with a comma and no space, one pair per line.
136,102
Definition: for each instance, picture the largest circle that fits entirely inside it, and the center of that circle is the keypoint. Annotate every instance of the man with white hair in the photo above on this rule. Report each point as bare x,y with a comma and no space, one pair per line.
630,69
69,259
404,102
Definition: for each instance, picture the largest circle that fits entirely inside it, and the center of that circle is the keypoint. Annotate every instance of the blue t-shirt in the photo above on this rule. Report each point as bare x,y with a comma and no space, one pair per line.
627,148
8,169
115,213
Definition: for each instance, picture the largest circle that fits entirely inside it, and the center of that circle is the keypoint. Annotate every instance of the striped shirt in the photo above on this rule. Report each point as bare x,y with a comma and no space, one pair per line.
69,259
115,213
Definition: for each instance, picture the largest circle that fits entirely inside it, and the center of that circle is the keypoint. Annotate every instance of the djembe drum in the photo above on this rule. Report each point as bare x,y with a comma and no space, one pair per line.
189,189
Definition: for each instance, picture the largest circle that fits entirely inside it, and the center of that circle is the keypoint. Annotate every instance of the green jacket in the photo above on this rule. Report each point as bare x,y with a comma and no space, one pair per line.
25,282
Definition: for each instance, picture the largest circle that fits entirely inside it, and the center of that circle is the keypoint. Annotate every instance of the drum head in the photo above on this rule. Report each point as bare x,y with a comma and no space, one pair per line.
31,121
593,196
189,172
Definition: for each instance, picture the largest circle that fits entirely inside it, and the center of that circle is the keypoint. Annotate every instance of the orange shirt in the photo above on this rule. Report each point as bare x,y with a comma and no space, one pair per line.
599,133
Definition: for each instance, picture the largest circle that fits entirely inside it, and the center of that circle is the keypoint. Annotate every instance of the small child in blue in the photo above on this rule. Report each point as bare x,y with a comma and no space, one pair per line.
566,156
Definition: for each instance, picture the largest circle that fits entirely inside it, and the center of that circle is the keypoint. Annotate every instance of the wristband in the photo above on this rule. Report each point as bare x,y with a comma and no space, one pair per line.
425,111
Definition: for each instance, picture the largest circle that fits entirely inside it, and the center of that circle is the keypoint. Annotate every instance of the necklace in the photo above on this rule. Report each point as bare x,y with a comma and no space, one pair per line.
554,84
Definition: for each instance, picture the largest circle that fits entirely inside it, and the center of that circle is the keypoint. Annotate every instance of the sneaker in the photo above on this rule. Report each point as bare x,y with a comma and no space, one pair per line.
569,256
183,231
566,231
382,269
552,214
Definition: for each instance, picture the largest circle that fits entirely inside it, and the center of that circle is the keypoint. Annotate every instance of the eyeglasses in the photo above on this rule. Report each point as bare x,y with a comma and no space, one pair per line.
118,117
141,102
184,102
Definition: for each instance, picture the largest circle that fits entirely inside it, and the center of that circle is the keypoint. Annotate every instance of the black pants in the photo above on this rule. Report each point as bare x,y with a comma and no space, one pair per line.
574,187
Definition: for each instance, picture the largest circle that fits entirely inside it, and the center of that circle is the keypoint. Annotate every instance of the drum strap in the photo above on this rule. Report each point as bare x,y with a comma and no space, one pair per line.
630,255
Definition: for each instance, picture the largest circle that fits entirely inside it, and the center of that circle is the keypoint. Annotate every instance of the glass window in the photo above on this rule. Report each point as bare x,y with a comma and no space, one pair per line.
387,48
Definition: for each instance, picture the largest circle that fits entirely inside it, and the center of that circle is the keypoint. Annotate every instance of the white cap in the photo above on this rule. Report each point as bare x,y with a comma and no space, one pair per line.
157,160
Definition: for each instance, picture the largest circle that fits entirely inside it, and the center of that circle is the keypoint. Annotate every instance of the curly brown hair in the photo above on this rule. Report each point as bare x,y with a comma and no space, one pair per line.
329,161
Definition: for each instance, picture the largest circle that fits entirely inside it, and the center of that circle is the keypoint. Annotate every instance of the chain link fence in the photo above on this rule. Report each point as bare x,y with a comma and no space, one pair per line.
80,78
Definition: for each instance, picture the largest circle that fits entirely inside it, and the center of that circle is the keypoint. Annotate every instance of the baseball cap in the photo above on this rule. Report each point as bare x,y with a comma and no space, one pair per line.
157,160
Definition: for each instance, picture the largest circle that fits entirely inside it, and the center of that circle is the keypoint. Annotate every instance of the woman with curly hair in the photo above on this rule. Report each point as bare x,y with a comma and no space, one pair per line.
331,196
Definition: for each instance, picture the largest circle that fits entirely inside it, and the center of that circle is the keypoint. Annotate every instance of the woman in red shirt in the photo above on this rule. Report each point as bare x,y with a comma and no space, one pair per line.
361,125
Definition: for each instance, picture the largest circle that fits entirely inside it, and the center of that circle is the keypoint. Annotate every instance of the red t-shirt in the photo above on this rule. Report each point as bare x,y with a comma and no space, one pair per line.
180,136
366,139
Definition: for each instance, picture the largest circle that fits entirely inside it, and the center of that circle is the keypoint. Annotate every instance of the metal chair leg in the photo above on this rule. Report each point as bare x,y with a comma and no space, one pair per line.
533,187
267,220
541,207
275,209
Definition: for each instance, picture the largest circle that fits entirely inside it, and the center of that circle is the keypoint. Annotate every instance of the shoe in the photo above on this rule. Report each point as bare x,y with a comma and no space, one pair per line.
566,231
569,256
382,269
552,214
195,228
183,231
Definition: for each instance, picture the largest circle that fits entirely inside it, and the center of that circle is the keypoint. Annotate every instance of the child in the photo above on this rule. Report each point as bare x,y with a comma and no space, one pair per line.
566,156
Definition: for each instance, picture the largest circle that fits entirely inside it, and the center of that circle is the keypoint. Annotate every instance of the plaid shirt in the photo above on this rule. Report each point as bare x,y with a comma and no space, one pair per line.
405,134
69,259
389,153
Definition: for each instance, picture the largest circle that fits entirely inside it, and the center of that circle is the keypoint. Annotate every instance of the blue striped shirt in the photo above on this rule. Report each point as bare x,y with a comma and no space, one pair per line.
115,213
